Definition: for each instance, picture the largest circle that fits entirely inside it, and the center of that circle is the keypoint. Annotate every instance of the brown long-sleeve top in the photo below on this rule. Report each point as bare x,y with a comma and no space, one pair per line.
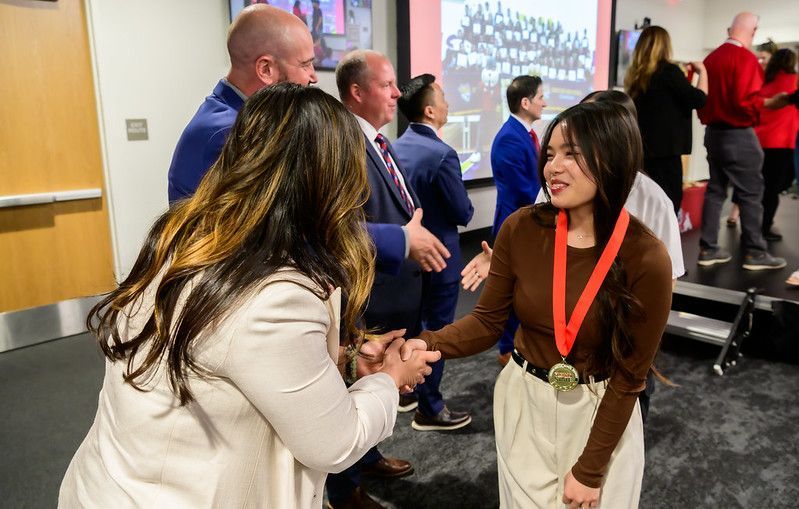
521,276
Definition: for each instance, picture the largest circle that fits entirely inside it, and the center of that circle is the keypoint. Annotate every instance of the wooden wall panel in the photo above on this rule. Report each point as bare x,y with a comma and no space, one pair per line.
49,141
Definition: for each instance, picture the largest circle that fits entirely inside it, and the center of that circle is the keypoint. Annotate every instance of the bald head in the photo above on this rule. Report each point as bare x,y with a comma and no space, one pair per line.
743,28
268,45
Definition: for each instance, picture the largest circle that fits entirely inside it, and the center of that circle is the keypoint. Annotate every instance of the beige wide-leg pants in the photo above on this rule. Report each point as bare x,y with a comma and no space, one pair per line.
541,432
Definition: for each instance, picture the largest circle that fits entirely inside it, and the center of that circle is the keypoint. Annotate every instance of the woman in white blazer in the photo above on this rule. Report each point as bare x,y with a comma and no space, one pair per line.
221,385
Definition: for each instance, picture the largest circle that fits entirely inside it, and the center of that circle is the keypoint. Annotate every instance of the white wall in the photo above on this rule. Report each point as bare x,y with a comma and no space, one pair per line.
684,21
779,19
155,60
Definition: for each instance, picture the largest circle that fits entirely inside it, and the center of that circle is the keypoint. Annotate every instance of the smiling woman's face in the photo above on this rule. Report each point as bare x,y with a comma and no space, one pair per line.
569,186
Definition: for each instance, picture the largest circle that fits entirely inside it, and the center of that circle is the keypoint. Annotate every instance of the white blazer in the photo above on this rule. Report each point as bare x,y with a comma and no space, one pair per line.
264,430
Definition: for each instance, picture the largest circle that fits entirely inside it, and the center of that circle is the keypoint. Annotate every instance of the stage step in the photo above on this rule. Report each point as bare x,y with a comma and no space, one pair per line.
698,327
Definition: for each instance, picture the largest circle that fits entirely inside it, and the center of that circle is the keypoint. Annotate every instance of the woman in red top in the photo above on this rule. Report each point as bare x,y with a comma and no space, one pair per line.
777,135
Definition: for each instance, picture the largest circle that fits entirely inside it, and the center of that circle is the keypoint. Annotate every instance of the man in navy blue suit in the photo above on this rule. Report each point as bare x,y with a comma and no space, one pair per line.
434,171
367,85
514,161
266,45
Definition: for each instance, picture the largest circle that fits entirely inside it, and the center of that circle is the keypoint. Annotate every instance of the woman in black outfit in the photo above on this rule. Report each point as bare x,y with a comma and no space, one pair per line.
664,99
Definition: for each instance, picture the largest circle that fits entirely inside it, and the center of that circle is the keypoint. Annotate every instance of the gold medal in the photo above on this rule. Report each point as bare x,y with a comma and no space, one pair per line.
563,376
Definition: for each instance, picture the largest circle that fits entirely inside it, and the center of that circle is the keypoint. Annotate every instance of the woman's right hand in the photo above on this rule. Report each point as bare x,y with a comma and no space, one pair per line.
477,269
411,371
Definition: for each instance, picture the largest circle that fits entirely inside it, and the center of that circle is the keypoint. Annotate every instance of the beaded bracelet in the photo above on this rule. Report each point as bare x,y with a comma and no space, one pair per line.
350,366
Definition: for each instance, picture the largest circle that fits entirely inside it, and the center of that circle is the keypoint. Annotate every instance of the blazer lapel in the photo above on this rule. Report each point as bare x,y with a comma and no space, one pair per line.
334,310
380,165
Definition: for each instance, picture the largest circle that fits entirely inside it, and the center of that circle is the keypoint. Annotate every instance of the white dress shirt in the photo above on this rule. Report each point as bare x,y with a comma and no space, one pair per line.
528,126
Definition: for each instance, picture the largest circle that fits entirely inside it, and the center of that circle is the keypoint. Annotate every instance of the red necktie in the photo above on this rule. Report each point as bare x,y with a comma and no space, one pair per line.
381,142
537,145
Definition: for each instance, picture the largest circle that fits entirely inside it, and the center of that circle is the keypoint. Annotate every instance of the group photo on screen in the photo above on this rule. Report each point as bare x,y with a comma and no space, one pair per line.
337,26
485,44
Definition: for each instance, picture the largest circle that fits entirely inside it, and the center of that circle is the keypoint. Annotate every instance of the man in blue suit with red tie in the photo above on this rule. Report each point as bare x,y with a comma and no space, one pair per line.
367,86
514,161
434,171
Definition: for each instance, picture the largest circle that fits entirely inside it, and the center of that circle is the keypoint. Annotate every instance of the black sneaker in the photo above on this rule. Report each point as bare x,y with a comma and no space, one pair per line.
408,402
772,235
712,256
763,261
444,421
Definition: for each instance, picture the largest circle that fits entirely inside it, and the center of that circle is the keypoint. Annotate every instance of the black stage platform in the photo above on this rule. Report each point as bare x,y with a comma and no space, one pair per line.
727,283
739,310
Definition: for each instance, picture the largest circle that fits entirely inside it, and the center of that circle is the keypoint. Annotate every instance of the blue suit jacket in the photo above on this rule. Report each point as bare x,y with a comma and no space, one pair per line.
201,142
515,166
395,301
434,171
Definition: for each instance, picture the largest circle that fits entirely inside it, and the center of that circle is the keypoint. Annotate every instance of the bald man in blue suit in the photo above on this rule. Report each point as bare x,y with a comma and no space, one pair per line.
266,45
514,161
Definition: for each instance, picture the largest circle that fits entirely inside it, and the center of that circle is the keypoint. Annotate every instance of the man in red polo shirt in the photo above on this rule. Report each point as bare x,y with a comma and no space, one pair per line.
733,151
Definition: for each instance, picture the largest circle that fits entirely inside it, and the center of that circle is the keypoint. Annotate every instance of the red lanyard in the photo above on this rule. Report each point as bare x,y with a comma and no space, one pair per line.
565,335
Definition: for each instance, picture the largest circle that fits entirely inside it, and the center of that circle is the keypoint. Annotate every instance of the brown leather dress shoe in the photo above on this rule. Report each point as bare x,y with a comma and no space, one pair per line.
359,500
388,468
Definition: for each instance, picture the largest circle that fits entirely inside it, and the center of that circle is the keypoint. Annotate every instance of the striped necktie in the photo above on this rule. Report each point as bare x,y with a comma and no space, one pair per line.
381,142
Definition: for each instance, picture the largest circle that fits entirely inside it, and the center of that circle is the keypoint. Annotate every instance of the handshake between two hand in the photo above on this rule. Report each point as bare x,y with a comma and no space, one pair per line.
406,362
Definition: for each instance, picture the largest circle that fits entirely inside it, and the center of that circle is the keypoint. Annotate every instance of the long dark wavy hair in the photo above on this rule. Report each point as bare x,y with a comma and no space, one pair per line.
611,153
782,60
287,191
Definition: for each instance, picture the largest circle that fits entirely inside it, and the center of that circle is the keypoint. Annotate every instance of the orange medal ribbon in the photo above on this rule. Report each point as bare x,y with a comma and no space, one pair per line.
565,335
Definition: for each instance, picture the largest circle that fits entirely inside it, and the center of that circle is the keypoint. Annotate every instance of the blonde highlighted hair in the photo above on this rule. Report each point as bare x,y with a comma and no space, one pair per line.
651,51
287,191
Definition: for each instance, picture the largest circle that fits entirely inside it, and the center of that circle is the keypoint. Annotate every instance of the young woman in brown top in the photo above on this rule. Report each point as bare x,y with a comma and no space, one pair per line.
581,445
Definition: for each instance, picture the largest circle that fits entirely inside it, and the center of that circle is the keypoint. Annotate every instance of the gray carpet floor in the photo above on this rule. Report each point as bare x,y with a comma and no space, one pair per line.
711,442
730,441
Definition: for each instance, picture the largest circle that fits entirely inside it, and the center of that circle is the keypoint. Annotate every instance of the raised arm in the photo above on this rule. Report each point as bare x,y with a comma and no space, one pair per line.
481,328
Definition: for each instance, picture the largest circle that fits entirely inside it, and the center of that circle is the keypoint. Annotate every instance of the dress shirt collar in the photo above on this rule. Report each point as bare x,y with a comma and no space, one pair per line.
528,126
367,128
235,89
426,126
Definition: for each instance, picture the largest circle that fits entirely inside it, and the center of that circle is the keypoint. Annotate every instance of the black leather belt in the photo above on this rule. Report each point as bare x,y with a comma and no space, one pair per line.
542,373
723,126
